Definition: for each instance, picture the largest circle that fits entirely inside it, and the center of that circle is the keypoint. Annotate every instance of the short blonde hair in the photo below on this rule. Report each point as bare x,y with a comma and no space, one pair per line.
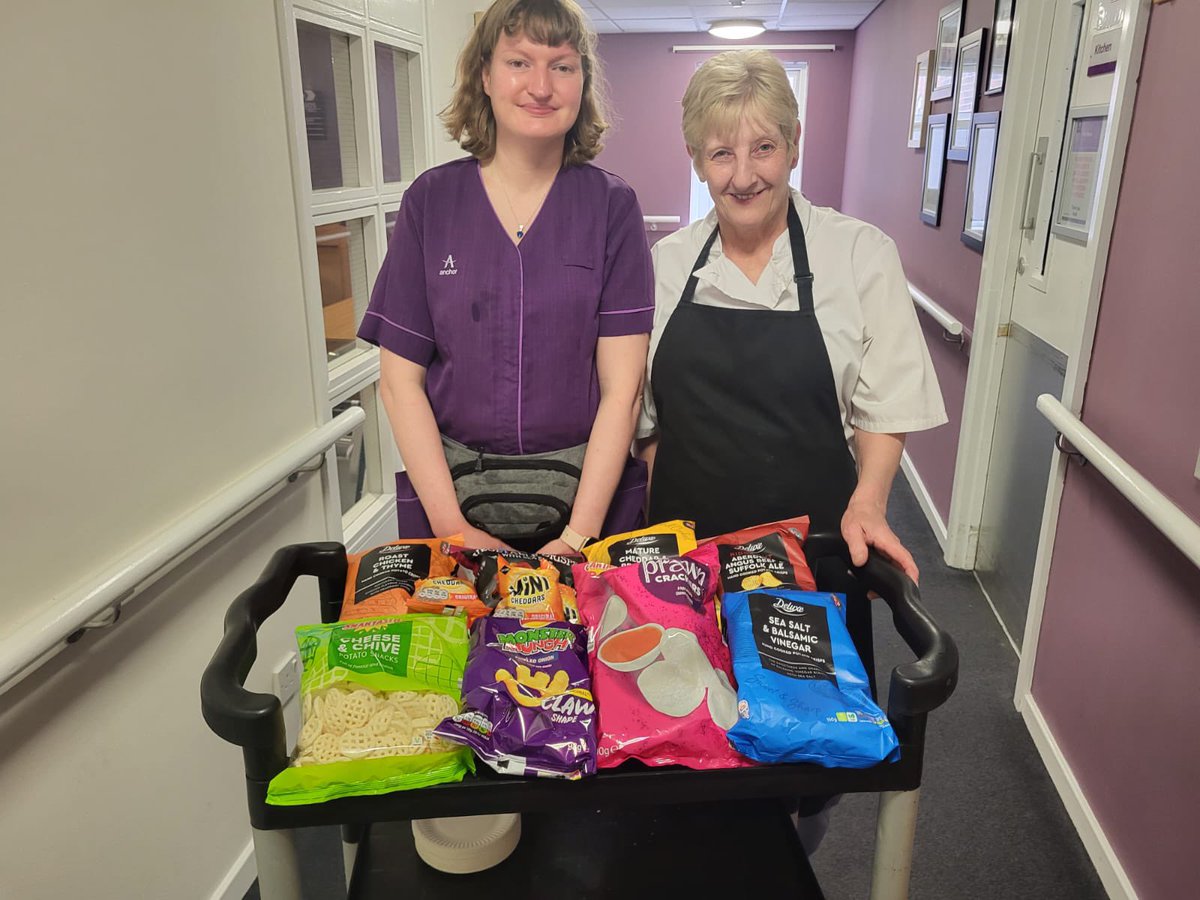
469,118
734,86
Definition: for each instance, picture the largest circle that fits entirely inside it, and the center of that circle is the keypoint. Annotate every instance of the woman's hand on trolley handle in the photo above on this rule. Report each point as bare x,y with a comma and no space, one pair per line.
864,524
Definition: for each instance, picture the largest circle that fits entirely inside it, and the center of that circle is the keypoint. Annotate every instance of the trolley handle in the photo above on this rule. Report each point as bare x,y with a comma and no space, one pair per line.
255,721
920,686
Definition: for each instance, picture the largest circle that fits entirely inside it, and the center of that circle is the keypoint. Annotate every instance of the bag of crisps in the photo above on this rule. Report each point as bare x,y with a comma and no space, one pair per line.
529,594
527,701
372,691
482,568
381,581
802,691
765,556
673,538
660,669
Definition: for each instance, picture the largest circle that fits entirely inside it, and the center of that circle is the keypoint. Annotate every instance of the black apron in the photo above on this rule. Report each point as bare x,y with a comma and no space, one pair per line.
749,426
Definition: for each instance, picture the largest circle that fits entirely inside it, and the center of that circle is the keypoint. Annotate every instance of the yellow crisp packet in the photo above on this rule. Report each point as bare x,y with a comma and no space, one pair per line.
673,538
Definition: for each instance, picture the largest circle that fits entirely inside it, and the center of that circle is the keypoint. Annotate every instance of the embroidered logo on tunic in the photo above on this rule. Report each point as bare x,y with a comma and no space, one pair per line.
449,267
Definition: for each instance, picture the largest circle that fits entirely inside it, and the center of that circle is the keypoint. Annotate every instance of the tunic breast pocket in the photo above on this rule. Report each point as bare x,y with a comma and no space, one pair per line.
581,283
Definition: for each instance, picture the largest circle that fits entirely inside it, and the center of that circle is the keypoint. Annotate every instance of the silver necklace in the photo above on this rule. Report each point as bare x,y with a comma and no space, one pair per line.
521,229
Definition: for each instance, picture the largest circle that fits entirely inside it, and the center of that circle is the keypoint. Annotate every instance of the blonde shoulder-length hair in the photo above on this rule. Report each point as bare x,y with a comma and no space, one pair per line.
469,118
734,86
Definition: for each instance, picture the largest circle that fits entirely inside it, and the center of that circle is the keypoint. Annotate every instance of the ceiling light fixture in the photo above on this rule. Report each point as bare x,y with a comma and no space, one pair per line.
737,29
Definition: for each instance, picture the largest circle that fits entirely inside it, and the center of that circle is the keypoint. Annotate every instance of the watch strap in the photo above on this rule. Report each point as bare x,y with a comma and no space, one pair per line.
574,539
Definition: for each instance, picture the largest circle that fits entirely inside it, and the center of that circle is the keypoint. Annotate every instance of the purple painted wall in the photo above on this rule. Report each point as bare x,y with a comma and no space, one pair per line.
647,82
1118,658
883,186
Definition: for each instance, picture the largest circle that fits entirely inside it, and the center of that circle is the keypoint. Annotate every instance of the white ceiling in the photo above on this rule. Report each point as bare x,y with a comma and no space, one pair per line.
617,16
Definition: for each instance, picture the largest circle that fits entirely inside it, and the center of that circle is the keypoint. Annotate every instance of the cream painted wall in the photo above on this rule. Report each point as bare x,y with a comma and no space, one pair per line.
157,344
450,23
156,348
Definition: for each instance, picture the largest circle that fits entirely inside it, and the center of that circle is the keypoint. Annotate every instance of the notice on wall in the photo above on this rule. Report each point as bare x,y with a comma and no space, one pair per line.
1105,36
1080,176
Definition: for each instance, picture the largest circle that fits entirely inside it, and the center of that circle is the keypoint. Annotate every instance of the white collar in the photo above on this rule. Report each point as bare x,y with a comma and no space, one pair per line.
776,278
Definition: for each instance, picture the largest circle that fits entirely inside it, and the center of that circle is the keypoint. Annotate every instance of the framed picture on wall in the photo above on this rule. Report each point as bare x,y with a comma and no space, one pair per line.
985,134
920,100
933,173
966,94
946,50
998,57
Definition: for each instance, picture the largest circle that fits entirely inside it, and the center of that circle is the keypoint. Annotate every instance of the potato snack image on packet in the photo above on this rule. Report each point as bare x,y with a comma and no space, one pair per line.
660,669
527,700
372,691
802,691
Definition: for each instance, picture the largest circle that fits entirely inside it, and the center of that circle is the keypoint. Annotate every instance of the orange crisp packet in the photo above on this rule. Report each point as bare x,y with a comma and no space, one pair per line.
381,582
447,595
529,594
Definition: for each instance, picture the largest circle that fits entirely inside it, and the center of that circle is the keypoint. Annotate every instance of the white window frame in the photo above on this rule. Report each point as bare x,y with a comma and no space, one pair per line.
372,520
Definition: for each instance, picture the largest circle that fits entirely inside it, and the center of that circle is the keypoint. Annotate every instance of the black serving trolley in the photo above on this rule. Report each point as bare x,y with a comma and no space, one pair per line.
255,722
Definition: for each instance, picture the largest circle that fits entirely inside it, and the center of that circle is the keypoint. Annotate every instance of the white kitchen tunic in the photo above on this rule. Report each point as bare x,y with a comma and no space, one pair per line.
882,371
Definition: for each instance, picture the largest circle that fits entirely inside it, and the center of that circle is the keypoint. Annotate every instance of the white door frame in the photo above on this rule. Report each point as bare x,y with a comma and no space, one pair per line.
998,279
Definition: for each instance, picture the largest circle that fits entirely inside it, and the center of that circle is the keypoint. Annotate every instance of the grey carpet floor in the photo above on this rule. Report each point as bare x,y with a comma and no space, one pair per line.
990,826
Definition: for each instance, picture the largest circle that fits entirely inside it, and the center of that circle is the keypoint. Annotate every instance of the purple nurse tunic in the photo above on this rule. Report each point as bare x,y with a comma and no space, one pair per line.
508,333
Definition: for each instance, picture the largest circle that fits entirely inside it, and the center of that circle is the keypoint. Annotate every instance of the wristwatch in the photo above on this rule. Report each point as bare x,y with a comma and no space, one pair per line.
574,539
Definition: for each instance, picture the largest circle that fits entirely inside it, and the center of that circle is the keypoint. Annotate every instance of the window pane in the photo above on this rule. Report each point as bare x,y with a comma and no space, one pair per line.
351,460
325,75
342,262
390,224
395,112
358,452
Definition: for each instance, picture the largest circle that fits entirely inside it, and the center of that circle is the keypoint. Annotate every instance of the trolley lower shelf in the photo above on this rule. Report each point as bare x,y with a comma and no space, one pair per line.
726,850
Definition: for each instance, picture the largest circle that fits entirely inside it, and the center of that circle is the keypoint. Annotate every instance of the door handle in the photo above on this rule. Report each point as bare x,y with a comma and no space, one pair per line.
1033,184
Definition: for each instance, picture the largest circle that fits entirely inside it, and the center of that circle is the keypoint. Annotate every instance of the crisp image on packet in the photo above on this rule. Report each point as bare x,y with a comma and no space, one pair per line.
763,556
372,691
527,700
660,669
673,538
802,690
381,581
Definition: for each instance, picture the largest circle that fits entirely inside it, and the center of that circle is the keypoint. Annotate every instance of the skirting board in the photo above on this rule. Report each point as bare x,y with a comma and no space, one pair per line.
926,501
1108,867
239,878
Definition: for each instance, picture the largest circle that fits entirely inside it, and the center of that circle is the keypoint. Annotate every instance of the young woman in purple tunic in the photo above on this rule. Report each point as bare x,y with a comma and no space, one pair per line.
513,309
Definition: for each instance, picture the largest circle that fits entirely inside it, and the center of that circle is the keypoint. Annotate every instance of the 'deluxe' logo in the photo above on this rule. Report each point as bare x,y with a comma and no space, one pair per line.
449,266
788,608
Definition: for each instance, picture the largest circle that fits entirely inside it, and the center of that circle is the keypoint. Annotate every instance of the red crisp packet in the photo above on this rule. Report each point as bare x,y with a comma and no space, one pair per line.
763,556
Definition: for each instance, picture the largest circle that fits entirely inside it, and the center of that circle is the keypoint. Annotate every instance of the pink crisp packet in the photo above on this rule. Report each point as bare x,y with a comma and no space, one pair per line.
660,668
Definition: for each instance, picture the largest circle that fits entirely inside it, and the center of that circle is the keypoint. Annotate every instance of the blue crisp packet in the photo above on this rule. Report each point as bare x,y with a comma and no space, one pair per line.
803,694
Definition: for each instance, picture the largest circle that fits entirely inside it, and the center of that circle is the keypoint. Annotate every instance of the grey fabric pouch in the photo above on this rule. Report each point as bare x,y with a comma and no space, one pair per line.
527,497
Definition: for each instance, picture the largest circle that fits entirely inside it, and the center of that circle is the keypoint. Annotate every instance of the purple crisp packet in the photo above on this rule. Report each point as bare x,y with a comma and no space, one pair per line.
527,700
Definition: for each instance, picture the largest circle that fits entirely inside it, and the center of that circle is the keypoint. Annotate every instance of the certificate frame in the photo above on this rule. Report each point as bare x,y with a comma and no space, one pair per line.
997,70
933,172
966,94
985,136
920,100
1079,172
945,50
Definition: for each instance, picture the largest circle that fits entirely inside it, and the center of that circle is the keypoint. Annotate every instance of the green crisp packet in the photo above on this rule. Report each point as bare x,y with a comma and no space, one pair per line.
372,691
